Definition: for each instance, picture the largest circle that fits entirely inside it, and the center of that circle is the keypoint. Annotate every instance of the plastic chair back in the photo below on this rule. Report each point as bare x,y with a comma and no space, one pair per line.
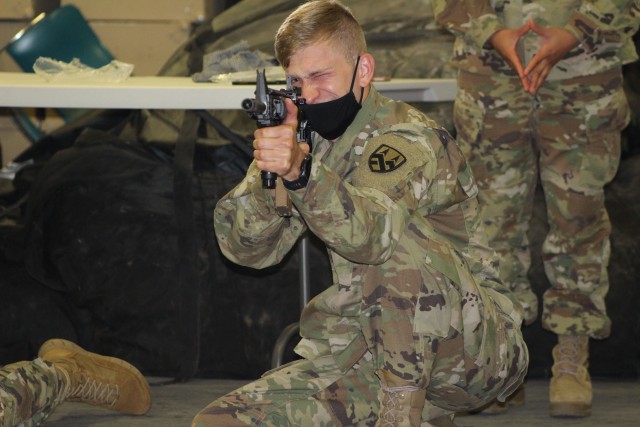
63,34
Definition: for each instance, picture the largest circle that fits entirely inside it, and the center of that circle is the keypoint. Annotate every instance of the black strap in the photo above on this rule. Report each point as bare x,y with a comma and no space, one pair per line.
188,282
242,144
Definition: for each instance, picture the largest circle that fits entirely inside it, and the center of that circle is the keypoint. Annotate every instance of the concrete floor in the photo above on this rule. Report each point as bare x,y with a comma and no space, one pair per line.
615,404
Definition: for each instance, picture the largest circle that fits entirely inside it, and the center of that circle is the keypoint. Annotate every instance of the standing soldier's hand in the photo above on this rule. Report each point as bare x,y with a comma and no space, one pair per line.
555,43
505,41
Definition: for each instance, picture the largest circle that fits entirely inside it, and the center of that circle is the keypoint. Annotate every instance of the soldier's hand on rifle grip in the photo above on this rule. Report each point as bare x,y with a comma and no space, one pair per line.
276,148
300,149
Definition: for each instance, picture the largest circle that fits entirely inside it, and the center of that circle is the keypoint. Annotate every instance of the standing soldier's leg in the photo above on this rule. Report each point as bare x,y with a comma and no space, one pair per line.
492,119
579,124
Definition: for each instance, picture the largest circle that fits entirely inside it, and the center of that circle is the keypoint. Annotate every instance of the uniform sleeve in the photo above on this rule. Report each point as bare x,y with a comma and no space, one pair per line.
363,219
603,25
249,230
475,21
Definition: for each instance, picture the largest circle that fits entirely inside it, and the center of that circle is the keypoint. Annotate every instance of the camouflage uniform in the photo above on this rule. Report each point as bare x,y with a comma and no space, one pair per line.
567,136
415,289
29,393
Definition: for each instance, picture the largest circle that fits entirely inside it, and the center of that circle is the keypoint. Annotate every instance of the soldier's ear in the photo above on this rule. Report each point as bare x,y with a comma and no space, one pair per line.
366,69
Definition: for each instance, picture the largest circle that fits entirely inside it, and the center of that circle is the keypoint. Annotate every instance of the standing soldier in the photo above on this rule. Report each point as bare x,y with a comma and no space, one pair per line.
540,98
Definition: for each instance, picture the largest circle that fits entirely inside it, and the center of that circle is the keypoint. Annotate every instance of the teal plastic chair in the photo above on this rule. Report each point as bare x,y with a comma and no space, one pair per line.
63,34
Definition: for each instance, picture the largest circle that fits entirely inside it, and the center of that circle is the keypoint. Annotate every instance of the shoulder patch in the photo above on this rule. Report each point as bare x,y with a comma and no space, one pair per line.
386,159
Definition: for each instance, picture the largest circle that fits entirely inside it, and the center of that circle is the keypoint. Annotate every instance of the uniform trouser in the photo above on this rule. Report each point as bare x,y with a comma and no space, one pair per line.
29,393
568,138
319,393
464,370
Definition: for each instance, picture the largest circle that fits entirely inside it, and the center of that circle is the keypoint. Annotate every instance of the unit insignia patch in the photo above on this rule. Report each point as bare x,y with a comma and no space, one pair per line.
386,159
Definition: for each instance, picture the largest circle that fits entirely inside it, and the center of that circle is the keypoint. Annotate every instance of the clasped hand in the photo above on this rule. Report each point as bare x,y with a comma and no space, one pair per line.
276,148
555,43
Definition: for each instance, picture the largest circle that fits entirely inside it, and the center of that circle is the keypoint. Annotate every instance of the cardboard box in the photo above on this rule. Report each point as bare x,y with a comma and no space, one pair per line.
146,45
142,10
16,9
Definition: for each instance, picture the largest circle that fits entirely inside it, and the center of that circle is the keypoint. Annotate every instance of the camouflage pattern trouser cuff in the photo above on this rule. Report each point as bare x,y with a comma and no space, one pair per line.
29,393
573,313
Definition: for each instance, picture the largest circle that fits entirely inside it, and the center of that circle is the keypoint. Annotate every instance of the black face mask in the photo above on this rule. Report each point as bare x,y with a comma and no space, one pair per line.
331,119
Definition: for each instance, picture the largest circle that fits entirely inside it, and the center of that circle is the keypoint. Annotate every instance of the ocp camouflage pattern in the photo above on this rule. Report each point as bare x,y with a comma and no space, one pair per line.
29,393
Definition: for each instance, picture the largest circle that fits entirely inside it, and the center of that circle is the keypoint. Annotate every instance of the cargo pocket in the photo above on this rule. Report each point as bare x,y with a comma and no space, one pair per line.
605,118
492,355
436,310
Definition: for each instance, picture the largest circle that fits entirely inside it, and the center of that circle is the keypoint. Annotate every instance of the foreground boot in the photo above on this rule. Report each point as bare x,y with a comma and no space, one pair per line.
570,392
400,404
98,380
496,407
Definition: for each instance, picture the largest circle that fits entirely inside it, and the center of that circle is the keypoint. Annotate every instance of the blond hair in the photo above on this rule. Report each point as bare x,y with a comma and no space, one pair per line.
318,21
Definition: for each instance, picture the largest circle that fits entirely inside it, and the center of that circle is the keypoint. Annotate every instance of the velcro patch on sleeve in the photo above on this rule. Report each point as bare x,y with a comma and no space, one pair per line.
387,161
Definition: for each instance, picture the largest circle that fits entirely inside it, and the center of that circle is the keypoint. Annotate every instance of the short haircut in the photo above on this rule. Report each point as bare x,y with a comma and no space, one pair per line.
318,21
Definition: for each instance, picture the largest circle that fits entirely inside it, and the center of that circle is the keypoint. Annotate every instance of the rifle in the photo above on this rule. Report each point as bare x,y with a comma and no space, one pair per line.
268,109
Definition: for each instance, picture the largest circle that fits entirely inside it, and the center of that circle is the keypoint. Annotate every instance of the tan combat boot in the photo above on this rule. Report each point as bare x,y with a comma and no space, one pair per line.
400,404
98,380
570,392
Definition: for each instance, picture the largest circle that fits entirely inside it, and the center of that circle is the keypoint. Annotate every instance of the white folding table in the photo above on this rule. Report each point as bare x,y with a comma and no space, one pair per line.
178,93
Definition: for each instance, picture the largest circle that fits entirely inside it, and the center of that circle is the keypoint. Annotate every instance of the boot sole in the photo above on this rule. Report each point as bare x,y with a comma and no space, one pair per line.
59,343
517,399
570,409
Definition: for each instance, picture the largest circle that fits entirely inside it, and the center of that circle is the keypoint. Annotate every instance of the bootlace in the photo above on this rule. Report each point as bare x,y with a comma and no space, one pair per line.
89,389
568,351
392,408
